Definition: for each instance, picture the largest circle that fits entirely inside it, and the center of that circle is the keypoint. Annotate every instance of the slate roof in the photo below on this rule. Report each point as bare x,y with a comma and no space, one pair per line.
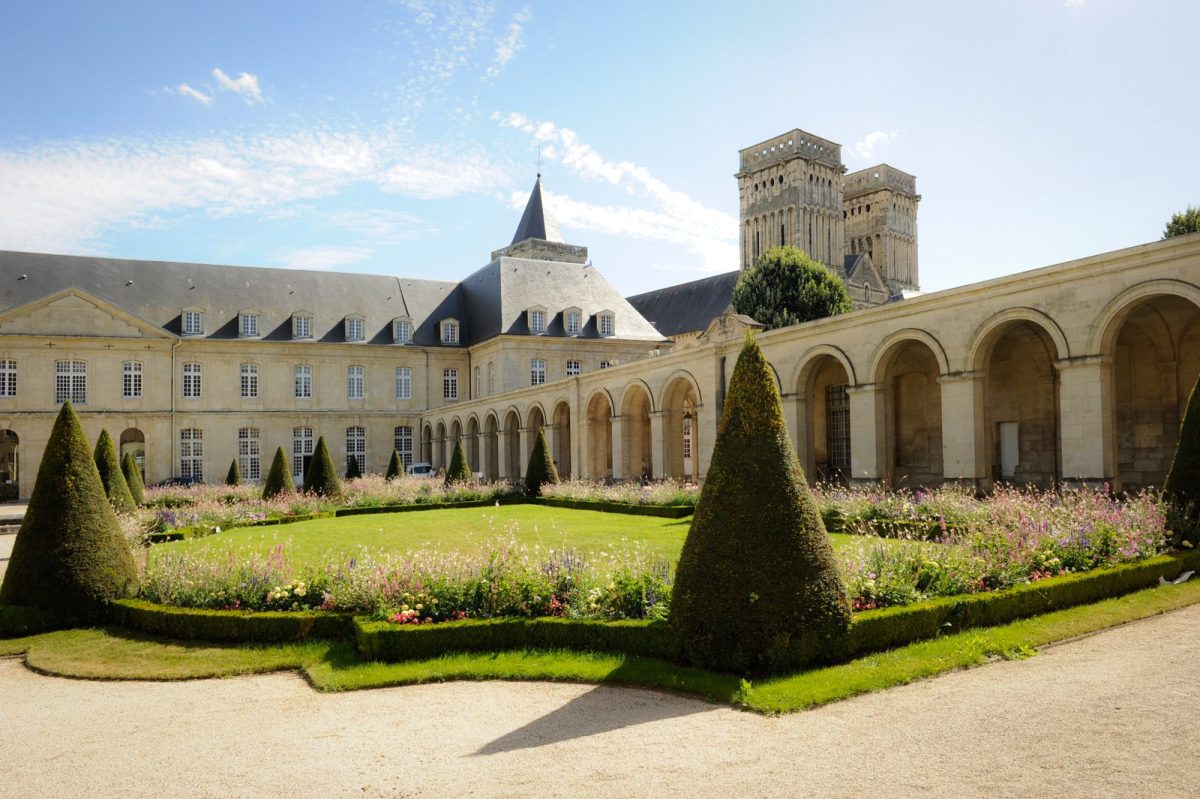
688,307
536,223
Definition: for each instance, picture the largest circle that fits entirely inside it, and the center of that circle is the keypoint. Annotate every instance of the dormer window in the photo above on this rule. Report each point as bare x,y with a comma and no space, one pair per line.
354,328
193,323
248,324
401,331
537,320
449,331
573,321
604,323
301,325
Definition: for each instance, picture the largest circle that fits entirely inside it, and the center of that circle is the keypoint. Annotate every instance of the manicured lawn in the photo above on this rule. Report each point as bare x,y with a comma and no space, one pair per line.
467,529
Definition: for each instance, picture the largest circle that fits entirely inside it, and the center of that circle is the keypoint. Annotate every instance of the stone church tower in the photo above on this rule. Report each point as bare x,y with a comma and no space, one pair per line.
793,189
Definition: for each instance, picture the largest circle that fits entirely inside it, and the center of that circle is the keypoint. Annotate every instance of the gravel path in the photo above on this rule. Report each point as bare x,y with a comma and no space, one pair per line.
1110,715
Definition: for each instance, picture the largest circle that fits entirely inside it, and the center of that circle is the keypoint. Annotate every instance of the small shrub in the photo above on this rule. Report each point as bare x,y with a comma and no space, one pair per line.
540,471
459,470
279,480
111,476
234,476
321,479
133,479
395,467
352,470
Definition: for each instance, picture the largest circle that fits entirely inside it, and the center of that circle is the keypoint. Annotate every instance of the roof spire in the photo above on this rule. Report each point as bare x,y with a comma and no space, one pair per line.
535,222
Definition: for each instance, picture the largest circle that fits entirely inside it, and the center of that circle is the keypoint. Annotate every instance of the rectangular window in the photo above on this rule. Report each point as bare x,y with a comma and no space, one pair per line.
302,450
449,332
605,364
70,382
491,377
354,329
537,371
193,323
404,445
573,323
837,427
191,381
249,451
354,382
301,327
477,385
605,324
248,325
356,447
450,384
8,378
131,379
401,331
249,381
191,453
303,381
537,321
574,368
403,383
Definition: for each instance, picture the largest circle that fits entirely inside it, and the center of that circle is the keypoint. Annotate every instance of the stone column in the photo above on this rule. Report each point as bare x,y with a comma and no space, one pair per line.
1086,427
503,442
868,445
962,428
658,443
525,436
795,414
618,448
485,455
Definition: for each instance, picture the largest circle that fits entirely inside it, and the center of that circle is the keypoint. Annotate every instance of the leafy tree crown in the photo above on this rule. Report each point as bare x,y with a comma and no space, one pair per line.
786,287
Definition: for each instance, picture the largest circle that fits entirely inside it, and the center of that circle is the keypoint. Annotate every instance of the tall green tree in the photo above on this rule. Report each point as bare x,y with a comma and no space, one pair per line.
786,287
757,588
1182,489
279,480
133,478
541,469
459,471
70,556
111,476
1183,223
322,478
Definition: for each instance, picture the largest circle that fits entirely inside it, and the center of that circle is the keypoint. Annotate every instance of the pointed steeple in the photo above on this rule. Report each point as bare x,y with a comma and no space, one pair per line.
535,222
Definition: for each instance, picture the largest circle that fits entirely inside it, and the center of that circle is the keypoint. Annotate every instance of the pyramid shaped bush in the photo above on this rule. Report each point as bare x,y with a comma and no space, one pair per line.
133,478
459,470
395,467
233,477
322,478
70,557
757,588
1182,489
111,476
540,469
279,479
352,470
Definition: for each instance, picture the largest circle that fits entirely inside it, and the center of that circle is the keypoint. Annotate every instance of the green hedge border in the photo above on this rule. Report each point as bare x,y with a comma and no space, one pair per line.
472,503
228,625
661,511
17,621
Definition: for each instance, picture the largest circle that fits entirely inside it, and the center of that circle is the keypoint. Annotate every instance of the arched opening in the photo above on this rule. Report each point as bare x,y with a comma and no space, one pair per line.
491,469
10,466
455,437
825,385
427,444
562,439
439,446
912,412
1020,405
1155,359
635,435
471,445
133,442
681,427
599,432
512,446
535,421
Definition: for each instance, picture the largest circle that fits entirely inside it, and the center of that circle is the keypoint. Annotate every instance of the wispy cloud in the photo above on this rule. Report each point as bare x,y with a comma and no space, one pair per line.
867,145
1075,3
673,216
188,91
510,43
323,257
244,84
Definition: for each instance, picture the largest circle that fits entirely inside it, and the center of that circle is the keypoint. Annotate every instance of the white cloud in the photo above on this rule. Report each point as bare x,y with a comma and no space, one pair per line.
510,43
244,84
188,91
865,147
323,257
1075,3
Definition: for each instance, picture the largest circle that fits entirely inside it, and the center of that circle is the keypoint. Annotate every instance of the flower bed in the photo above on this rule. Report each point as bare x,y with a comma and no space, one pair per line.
662,493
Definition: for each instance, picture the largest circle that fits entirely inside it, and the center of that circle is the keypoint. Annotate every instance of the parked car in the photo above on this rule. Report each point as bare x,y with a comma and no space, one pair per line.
421,470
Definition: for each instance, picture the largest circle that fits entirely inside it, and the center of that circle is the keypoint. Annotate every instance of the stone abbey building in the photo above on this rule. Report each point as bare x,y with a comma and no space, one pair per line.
1072,372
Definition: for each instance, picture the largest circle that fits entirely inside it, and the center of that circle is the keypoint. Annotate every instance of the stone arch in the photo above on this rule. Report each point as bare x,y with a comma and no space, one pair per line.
988,333
10,465
471,445
909,399
560,438
636,438
455,435
884,352
535,418
491,445
680,416
1106,324
822,385
812,358
439,445
637,384
427,443
599,413
679,374
133,442
513,468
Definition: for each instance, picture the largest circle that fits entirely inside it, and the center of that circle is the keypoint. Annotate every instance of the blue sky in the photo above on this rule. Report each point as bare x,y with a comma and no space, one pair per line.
401,137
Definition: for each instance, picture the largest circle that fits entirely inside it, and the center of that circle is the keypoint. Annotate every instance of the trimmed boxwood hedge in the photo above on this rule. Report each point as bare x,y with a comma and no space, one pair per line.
662,511
471,503
17,621
229,625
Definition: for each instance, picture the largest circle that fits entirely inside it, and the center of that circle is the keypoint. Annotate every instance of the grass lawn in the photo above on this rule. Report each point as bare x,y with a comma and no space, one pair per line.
467,529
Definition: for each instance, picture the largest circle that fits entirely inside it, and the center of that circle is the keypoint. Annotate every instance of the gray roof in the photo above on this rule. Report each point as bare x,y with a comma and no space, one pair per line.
158,291
536,223
688,307
860,269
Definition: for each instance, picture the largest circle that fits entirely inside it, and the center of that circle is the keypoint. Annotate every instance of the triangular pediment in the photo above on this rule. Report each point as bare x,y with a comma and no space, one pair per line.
74,312
730,325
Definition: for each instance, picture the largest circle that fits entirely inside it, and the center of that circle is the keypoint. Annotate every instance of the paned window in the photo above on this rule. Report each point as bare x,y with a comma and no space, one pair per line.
131,379
537,371
193,323
537,321
356,447
249,452
354,382
70,382
301,327
476,384
248,325
303,381
491,377
401,331
449,332
574,323
604,324
354,329
450,384
191,453
404,444
191,380
302,450
8,378
249,381
605,364
574,368
403,382
837,427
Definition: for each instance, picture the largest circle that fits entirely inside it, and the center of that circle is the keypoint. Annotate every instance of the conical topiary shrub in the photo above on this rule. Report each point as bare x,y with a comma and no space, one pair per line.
757,588
352,470
1182,489
111,476
279,479
395,467
459,470
540,469
234,476
322,479
70,557
133,478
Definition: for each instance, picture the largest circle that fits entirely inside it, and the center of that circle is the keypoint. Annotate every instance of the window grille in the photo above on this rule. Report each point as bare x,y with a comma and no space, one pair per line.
249,452
837,427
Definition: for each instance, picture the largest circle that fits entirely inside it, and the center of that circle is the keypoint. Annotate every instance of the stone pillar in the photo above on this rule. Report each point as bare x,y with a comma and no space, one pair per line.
503,441
485,455
962,428
868,445
795,414
1086,420
618,448
526,436
658,443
